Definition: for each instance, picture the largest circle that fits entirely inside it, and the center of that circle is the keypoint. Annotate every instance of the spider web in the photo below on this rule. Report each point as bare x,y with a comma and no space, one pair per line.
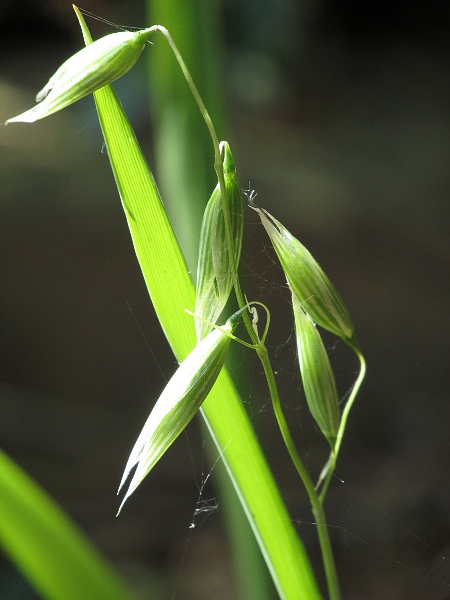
372,536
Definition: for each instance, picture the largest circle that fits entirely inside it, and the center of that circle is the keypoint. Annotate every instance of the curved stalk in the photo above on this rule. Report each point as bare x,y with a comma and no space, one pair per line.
316,504
340,434
218,168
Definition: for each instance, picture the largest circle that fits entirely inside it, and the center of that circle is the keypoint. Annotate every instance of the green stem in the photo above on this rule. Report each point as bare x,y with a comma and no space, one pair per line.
194,91
317,508
327,552
352,397
219,170
340,434
330,466
316,504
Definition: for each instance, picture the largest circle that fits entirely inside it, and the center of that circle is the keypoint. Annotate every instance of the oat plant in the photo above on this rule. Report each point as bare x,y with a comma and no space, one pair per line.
192,316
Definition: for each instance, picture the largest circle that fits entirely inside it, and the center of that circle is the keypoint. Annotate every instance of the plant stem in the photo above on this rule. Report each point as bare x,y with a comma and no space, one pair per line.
219,170
317,508
316,504
193,88
340,434
362,372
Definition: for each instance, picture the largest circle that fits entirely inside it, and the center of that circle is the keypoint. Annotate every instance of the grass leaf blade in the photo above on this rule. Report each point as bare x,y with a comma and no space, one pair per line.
172,291
47,547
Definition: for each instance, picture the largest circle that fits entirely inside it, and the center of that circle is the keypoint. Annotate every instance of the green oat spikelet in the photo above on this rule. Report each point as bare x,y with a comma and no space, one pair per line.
179,402
216,271
96,65
317,376
307,281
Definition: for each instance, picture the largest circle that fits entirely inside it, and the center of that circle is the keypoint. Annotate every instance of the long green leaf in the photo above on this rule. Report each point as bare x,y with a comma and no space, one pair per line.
171,290
47,547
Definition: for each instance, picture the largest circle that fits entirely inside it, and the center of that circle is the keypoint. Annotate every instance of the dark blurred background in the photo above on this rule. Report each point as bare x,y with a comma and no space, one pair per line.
339,119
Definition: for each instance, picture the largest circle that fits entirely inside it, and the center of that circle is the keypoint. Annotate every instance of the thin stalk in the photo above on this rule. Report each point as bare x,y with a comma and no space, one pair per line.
317,508
316,504
340,434
219,170
194,91
352,397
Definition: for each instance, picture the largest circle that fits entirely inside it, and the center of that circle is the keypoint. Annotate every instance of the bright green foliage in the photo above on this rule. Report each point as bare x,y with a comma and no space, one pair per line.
217,269
172,291
307,281
47,547
179,402
317,375
94,66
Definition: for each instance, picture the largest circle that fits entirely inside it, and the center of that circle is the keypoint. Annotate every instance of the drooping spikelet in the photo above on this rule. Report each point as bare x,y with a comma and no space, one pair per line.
179,402
96,65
